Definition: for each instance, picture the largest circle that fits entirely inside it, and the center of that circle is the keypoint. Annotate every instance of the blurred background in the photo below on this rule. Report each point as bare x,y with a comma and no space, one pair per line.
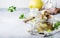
17,3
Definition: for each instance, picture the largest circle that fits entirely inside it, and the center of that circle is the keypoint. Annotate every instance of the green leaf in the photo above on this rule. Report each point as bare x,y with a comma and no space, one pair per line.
21,16
56,25
12,9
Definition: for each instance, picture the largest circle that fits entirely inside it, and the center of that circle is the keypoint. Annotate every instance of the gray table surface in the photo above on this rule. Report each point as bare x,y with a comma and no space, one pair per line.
13,27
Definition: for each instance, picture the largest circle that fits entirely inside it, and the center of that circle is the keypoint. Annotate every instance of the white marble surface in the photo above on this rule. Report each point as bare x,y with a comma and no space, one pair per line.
12,27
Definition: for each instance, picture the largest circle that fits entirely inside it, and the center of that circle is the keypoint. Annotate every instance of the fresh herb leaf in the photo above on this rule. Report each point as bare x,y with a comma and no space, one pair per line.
21,16
56,25
12,9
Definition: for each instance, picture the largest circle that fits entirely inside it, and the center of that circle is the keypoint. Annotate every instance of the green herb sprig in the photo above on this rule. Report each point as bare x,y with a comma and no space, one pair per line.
21,16
12,8
56,25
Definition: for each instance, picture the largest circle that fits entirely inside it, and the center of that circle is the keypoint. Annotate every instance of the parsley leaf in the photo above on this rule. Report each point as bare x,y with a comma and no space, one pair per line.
21,16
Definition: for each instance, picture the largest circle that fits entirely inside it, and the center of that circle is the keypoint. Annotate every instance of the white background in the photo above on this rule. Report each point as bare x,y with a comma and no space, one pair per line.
17,3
